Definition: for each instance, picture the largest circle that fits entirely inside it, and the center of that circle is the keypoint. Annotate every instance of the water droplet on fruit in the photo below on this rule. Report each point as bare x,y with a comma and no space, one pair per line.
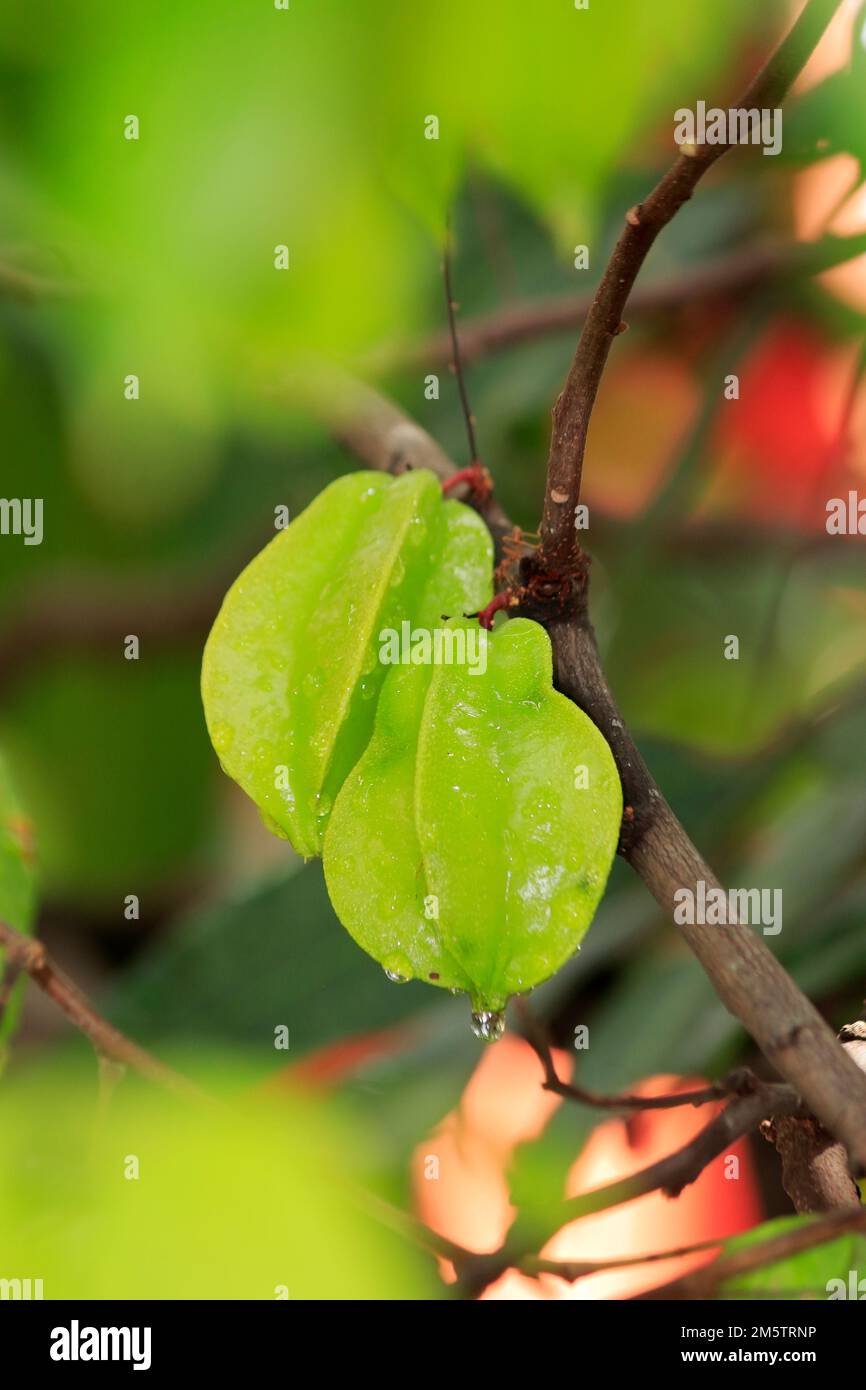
312,682
223,735
488,1025
367,689
397,969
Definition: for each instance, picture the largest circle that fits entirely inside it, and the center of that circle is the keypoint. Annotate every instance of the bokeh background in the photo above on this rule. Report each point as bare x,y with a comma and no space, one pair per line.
304,128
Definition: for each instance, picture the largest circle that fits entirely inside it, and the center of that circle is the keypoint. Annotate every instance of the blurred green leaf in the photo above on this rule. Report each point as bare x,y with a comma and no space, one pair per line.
662,1016
240,1199
182,223
829,119
800,634
278,956
114,764
807,1274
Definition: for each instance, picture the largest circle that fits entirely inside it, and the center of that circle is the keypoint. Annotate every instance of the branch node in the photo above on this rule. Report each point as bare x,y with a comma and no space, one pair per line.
477,479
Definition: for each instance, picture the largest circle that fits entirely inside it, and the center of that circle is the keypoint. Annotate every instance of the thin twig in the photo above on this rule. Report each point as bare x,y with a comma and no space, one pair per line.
717,280
737,1082
748,979
30,956
379,433
89,614
571,414
746,976
678,1170
572,1270
456,362
415,1231
705,1283
668,1176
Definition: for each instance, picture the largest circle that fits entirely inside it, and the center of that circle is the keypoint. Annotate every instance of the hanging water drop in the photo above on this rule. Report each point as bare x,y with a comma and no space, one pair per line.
488,1025
397,969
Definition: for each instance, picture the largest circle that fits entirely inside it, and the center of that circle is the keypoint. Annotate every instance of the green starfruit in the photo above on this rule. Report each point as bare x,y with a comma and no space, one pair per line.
472,842
292,670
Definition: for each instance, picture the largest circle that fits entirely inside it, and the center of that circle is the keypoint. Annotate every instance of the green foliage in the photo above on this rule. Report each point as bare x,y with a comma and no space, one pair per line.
813,1273
291,671
95,744
552,122
830,118
236,1199
800,638
152,222
277,954
473,841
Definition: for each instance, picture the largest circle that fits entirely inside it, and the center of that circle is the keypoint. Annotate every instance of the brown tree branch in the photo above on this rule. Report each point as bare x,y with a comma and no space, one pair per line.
748,979
90,614
726,278
739,1081
572,1270
669,1176
378,432
755,1103
815,1171
25,954
571,414
678,1170
746,976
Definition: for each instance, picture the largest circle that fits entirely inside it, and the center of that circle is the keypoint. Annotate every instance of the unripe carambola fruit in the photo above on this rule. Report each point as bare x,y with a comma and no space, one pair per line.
472,842
291,671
